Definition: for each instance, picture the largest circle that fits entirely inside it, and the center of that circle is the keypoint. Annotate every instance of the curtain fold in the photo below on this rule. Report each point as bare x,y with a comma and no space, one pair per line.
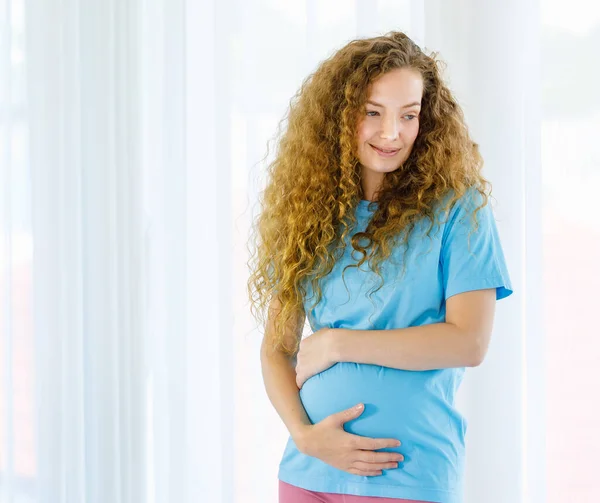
82,64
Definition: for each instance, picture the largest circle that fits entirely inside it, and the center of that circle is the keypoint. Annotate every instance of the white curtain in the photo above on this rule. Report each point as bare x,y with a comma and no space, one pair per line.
133,138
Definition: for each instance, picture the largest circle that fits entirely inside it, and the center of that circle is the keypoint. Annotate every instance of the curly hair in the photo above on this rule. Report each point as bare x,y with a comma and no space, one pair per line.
314,180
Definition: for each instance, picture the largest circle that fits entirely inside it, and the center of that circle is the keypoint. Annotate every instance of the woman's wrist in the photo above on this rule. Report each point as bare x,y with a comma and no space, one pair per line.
337,337
300,435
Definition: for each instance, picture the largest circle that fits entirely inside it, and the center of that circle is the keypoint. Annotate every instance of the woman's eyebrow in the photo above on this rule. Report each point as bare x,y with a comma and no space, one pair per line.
415,103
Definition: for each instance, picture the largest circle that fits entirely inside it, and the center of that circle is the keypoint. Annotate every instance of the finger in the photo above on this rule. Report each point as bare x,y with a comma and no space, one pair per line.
373,444
377,457
364,473
361,465
344,416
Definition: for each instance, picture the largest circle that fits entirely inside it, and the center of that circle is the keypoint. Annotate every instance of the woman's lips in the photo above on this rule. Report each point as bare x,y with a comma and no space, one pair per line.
384,154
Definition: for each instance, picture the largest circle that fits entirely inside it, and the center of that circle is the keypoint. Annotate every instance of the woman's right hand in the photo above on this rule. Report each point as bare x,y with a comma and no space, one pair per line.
328,441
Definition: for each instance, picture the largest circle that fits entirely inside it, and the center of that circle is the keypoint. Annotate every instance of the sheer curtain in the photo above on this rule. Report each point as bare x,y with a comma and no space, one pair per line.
133,138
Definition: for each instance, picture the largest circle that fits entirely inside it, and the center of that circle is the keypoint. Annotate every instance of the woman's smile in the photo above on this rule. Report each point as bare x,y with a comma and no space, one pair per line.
385,153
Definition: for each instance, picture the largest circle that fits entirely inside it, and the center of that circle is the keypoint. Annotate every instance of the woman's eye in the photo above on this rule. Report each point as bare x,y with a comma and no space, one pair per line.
410,116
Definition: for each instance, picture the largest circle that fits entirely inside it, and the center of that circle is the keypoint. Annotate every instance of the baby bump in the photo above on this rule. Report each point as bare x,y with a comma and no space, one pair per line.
410,406
396,401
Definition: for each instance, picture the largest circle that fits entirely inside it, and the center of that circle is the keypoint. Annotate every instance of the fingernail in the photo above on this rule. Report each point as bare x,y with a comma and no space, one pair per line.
359,406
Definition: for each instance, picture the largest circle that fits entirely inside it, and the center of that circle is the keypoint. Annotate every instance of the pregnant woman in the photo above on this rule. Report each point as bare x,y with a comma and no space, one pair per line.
376,226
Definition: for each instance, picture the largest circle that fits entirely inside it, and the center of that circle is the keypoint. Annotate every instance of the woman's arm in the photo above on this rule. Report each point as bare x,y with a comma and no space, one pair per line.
461,341
279,376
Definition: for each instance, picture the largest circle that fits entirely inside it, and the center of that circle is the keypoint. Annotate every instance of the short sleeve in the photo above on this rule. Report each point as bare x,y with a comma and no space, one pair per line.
472,257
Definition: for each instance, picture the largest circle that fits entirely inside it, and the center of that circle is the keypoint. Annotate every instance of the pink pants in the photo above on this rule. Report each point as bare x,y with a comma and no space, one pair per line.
292,494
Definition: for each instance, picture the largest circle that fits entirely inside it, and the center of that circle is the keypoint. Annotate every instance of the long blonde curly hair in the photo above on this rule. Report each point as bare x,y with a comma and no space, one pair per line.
314,185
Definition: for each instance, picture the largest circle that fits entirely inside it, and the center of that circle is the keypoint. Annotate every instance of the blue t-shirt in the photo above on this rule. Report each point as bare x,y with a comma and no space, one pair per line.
415,407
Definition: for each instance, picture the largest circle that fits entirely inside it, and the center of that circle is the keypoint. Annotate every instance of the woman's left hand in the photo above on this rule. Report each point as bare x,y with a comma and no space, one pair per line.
316,354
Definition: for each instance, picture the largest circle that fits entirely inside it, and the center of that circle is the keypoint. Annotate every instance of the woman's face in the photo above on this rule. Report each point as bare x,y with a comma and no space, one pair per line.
391,122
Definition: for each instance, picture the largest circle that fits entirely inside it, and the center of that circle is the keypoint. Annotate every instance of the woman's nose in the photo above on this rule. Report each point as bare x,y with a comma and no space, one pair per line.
390,129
